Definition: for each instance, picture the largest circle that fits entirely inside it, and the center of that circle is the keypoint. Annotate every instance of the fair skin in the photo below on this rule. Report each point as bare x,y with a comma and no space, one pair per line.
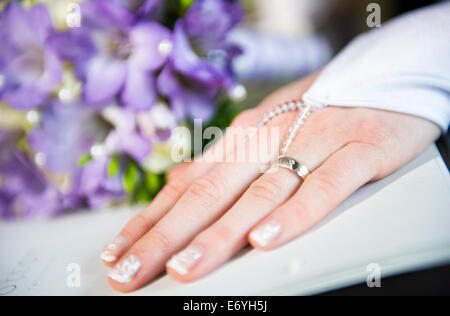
216,206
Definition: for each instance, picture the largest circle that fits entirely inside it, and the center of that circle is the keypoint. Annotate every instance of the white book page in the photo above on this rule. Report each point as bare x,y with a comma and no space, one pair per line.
400,223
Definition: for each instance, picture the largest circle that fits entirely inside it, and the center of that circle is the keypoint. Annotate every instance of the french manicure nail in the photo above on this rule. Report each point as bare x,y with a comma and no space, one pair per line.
125,270
265,234
114,249
185,260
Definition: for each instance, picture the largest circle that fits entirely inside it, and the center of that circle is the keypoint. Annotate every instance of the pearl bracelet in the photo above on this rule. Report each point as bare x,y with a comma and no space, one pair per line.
305,110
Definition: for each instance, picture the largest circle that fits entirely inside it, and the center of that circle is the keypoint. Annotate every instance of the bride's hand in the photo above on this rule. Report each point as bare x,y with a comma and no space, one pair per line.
209,211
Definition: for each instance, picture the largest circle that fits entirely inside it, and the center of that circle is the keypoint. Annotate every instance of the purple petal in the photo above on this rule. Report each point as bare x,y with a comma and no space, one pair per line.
186,61
200,107
16,26
167,82
52,75
72,44
116,14
5,201
41,204
26,192
92,175
105,77
132,144
210,20
139,91
149,6
168,85
65,134
102,198
23,98
40,21
140,7
136,146
195,99
145,38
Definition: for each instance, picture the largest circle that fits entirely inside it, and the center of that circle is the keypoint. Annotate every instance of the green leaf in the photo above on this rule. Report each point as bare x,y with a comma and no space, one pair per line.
84,159
113,166
179,6
153,182
130,178
186,4
142,195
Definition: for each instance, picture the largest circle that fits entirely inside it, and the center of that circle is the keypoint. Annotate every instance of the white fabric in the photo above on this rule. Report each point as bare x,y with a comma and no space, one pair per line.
403,66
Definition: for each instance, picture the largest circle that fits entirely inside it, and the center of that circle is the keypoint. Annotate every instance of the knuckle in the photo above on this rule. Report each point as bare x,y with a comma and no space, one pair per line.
160,240
327,122
174,188
302,213
206,190
377,156
327,183
372,129
222,234
267,190
176,172
139,220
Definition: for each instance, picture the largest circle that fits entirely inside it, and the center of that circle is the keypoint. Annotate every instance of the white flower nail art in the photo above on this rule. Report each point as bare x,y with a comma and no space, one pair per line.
125,270
185,260
114,249
265,234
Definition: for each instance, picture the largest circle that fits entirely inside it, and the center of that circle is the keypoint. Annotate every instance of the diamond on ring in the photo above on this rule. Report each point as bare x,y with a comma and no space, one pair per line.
289,163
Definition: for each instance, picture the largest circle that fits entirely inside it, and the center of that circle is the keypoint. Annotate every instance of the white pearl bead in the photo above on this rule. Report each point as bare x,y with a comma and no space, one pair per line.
165,47
238,93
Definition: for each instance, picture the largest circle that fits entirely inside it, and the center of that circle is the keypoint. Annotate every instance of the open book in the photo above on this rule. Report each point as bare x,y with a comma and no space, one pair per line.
398,224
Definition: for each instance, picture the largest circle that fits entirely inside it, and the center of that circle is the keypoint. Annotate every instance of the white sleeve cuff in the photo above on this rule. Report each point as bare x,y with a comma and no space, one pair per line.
403,66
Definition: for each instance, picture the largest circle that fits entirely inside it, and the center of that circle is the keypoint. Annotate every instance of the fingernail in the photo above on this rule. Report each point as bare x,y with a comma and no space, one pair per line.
185,260
125,270
114,249
265,234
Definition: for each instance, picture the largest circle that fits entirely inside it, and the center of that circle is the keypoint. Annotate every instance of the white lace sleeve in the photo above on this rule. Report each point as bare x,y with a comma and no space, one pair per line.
403,66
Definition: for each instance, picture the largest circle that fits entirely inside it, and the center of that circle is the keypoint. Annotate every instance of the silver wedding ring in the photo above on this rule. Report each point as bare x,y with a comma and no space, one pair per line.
291,164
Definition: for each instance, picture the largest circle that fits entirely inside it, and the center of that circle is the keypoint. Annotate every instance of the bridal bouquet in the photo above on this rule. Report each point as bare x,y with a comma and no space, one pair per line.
90,92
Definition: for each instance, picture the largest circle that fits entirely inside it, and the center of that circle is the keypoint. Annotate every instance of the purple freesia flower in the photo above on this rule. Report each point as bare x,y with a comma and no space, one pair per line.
66,132
125,138
139,7
187,96
125,61
98,188
23,189
201,49
127,55
30,67
200,65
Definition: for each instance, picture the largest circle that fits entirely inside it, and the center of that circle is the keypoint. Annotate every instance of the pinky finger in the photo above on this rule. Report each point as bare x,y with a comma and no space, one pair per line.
338,177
